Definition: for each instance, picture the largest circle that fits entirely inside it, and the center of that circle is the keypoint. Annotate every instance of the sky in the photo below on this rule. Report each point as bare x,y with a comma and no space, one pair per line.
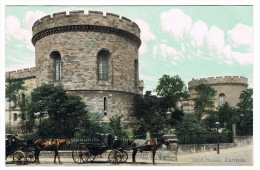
189,41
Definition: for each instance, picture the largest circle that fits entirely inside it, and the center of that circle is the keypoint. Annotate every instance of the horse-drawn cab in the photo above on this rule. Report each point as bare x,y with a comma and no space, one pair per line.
21,150
102,142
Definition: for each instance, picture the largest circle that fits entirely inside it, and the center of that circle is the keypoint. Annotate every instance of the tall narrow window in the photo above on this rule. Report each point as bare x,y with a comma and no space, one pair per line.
57,64
221,99
103,65
15,116
105,104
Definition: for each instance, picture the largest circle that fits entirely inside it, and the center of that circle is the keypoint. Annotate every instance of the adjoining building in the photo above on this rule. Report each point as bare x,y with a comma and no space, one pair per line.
228,90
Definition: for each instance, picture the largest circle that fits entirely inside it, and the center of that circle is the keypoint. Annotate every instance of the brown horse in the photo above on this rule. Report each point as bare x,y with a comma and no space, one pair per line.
150,145
49,145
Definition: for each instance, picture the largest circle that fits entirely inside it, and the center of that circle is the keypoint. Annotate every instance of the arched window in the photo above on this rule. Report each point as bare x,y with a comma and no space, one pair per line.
55,55
103,64
221,99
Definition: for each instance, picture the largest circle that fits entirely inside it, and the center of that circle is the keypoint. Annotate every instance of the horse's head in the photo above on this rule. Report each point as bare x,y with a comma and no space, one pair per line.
164,141
68,142
37,142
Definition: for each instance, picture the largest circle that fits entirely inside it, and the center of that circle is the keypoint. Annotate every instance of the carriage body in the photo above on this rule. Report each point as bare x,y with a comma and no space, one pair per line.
87,152
21,150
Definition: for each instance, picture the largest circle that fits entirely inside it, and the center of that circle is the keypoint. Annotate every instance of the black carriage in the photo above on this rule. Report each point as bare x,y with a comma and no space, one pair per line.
87,152
21,150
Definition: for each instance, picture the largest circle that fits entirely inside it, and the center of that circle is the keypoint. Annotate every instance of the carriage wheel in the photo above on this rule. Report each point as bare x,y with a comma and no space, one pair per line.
19,157
124,156
91,157
114,156
82,155
30,156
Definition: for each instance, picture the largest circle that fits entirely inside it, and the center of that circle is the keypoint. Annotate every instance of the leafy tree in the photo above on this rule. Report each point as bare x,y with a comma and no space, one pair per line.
116,126
13,88
148,112
16,99
204,102
246,107
225,115
191,124
171,89
55,110
89,125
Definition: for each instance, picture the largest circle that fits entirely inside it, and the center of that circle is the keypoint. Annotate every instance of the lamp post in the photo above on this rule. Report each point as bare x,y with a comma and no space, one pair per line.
217,126
168,118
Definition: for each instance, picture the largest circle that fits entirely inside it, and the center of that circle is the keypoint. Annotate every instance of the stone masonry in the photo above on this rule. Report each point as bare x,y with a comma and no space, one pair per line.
78,37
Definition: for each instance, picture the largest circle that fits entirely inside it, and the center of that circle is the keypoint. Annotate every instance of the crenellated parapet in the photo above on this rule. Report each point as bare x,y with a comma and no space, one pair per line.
27,73
79,21
226,80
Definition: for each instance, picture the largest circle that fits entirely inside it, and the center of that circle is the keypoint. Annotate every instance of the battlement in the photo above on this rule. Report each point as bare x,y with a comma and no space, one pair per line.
23,74
95,18
219,80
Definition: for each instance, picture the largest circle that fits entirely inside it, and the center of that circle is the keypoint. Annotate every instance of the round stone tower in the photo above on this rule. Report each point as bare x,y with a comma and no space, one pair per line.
228,88
93,55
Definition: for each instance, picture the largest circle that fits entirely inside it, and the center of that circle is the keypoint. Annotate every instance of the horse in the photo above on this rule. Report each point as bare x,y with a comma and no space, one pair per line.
148,145
49,145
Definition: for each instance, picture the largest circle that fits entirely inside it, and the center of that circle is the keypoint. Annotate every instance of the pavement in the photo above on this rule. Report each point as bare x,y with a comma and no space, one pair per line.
239,156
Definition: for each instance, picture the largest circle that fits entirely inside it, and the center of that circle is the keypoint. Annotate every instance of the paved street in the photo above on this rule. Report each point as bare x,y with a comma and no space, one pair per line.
240,156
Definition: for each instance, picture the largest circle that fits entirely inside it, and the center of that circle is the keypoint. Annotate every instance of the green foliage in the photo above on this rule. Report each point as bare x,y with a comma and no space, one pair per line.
116,126
91,124
246,107
148,113
205,99
171,89
58,112
191,123
12,90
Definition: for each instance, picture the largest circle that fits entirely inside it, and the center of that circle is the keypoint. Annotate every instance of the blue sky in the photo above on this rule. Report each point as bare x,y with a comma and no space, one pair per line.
189,41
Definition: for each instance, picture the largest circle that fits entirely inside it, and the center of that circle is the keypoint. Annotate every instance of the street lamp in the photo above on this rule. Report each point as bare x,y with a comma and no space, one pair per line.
217,126
168,115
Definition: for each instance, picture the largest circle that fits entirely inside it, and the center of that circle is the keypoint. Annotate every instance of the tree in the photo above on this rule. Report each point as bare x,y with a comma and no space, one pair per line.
89,125
13,88
116,126
149,116
191,124
55,110
16,99
204,102
171,90
246,107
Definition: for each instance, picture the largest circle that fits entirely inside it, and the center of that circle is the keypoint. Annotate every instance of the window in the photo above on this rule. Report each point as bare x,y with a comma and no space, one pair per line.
105,104
221,99
57,64
103,65
15,117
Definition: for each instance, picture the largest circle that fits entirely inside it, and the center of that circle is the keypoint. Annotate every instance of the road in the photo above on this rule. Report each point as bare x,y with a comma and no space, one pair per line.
239,156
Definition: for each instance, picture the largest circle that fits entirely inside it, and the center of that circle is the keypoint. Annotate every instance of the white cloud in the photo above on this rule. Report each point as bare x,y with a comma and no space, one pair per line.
176,22
31,17
146,35
241,35
198,32
215,38
17,30
209,40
